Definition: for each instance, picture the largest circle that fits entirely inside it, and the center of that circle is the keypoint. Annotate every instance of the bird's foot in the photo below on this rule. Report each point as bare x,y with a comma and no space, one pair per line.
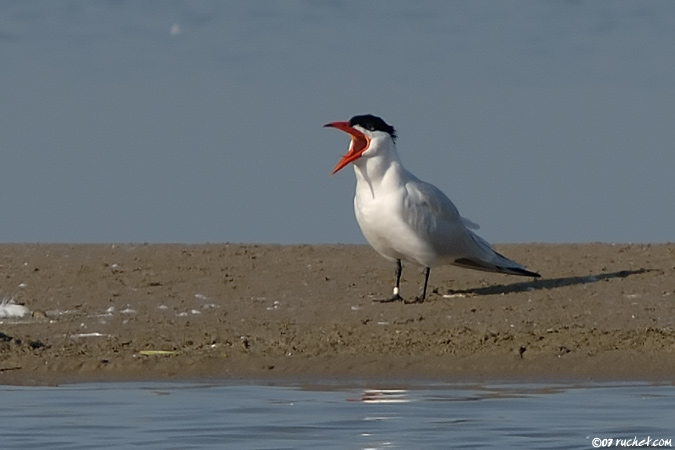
393,298
413,301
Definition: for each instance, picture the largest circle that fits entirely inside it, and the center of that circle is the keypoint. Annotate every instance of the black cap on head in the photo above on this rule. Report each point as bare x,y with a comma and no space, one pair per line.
373,123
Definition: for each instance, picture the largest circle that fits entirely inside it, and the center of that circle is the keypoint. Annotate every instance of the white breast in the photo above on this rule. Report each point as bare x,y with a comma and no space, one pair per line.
381,212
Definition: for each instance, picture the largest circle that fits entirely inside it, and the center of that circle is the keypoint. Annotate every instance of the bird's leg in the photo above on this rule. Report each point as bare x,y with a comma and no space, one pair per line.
396,297
421,298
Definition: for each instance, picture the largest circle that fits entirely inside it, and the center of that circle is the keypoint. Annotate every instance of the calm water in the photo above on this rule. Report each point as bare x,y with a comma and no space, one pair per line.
201,120
194,415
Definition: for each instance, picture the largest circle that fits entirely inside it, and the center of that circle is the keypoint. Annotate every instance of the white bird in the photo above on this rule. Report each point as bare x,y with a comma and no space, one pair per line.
406,219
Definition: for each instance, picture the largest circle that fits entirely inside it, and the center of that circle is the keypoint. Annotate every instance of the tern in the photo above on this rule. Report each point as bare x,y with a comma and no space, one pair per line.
406,219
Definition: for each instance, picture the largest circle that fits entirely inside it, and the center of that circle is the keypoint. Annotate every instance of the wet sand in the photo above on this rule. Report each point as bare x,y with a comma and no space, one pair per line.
227,311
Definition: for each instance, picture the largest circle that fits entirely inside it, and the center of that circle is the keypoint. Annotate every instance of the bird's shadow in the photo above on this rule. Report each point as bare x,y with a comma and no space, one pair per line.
538,285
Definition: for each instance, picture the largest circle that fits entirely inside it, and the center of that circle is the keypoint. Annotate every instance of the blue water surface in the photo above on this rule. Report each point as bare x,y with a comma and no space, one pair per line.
182,415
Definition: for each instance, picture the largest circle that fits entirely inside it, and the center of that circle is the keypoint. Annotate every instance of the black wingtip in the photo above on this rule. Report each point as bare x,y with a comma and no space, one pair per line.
526,273
479,265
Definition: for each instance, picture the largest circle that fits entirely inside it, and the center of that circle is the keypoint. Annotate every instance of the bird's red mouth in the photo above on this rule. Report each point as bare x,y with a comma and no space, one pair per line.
360,143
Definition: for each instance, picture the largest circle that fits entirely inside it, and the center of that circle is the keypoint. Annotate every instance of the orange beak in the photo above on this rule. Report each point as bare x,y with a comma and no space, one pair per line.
359,144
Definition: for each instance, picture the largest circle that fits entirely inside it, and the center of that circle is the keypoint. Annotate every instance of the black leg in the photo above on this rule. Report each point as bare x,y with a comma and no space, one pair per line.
421,298
396,297
399,271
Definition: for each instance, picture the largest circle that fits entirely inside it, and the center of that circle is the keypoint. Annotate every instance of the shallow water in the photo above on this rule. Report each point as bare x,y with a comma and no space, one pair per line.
357,416
200,121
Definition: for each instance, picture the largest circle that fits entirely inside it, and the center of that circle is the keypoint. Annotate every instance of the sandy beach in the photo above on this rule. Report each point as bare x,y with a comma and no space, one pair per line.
113,312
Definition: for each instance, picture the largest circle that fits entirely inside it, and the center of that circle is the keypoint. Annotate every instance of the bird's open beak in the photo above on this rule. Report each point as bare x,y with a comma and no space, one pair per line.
359,144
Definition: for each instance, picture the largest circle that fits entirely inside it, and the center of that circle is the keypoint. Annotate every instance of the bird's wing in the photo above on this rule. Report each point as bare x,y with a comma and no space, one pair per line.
429,196
431,201
470,224
434,215
430,209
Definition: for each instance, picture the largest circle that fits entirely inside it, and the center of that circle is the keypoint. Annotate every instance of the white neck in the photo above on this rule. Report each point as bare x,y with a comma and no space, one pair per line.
383,166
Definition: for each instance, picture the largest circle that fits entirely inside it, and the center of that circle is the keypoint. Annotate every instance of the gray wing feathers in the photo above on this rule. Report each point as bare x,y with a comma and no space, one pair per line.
452,233
496,262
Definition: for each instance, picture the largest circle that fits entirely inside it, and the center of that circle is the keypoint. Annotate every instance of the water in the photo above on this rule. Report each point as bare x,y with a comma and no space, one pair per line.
195,415
200,121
